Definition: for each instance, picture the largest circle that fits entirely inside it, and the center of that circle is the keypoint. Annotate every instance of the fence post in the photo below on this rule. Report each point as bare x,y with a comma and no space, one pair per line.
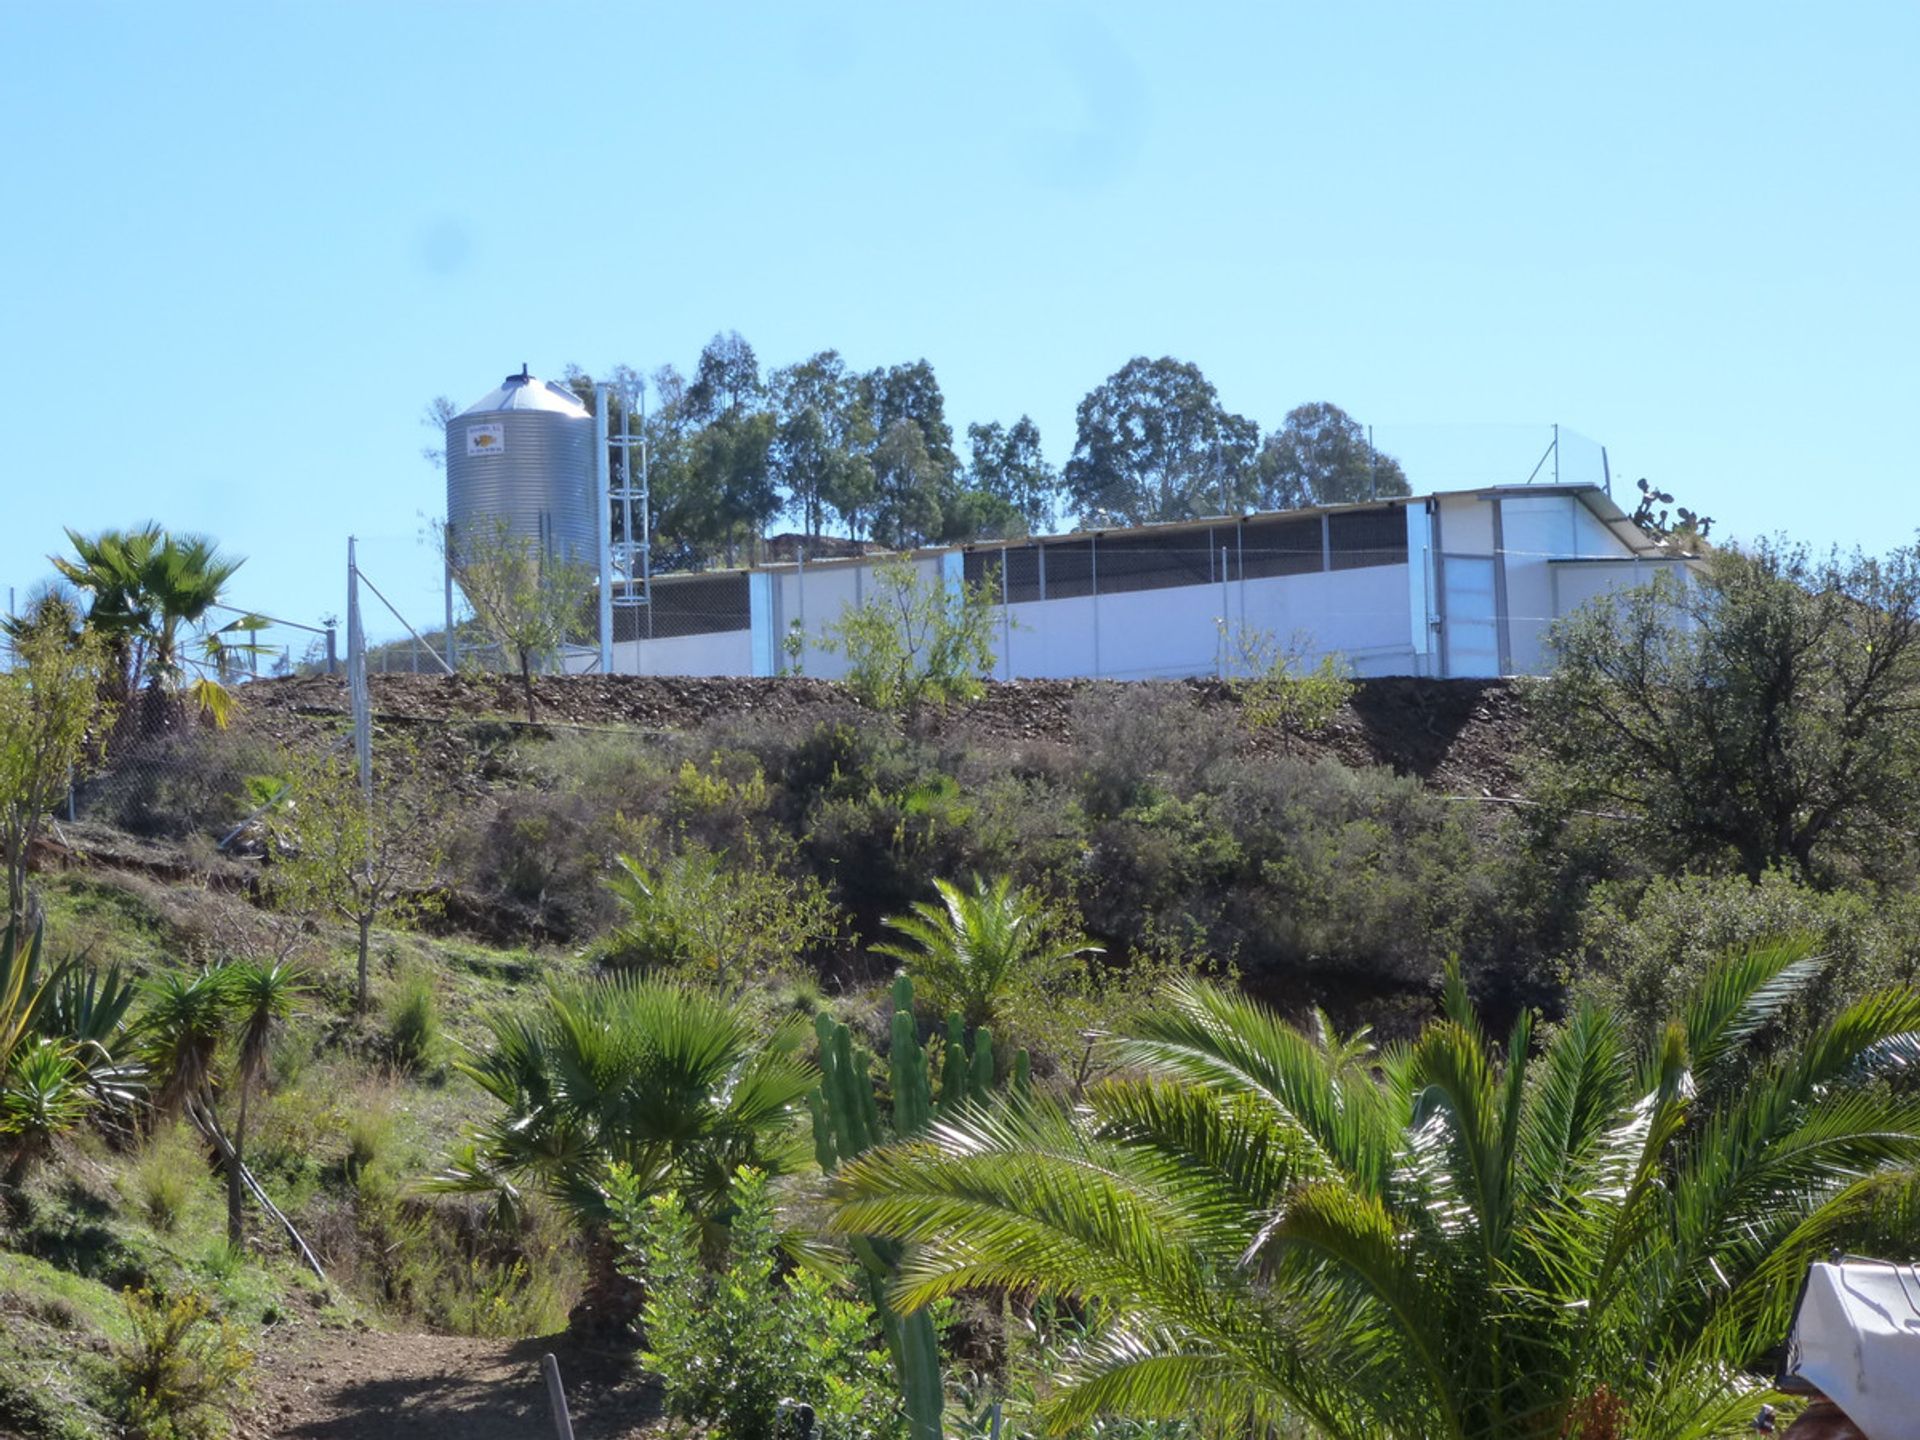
357,676
556,1398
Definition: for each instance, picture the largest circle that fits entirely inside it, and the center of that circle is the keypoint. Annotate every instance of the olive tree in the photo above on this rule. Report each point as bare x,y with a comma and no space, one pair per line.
1764,711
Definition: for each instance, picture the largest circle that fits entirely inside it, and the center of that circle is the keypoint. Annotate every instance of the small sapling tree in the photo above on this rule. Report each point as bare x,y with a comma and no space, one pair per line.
49,704
915,642
343,853
528,601
1276,688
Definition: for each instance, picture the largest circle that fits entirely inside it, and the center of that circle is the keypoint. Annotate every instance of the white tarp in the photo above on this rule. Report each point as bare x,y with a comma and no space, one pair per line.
1857,1338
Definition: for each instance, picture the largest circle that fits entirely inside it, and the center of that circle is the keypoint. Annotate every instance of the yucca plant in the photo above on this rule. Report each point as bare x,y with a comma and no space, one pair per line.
977,948
43,1095
88,1010
1460,1240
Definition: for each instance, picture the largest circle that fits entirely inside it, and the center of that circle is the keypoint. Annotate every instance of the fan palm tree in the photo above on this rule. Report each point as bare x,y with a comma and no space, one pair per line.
977,948
676,1083
150,589
1462,1240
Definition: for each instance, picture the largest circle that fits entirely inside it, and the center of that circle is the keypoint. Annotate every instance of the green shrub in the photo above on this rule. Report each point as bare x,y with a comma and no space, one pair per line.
541,853
1277,689
185,1371
1641,949
414,1038
726,922
729,1347
170,1173
370,1133
1138,743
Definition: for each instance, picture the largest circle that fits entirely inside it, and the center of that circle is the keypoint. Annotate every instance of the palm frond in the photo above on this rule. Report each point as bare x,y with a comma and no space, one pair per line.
1206,1036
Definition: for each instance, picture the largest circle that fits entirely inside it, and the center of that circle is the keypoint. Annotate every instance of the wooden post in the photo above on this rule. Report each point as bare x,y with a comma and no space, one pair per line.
556,1398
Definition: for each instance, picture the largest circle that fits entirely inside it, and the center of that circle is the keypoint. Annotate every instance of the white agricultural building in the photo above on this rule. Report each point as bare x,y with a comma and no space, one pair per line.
1459,584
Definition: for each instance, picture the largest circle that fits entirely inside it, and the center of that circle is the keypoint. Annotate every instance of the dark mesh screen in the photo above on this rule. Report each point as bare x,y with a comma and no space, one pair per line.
1280,547
1023,574
1368,537
696,605
1069,569
1155,561
1022,566
977,565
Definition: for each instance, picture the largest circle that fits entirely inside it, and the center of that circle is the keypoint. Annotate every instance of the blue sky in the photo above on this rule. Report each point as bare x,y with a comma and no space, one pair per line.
243,246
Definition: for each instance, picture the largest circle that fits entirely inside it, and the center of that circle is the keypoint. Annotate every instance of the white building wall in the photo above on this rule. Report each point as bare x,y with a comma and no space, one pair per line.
1536,557
1575,582
1535,531
1173,633
727,653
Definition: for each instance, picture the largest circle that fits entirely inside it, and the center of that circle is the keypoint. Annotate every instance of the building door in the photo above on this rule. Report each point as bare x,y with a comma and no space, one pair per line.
1469,620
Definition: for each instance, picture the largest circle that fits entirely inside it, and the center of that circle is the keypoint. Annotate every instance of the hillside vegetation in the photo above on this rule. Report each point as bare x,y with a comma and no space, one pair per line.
1078,1051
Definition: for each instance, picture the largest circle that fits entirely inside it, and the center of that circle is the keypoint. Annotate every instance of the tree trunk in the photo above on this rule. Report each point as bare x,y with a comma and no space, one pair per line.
236,1187
610,1302
363,995
17,894
526,681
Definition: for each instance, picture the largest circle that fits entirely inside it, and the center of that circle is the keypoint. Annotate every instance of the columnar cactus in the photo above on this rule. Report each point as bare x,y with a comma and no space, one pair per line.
846,1121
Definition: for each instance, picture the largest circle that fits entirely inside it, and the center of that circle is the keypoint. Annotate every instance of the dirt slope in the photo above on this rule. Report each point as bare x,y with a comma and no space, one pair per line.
315,1384
1456,735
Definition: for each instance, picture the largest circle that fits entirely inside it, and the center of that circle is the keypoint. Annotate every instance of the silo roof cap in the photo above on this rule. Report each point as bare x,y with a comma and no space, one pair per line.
528,392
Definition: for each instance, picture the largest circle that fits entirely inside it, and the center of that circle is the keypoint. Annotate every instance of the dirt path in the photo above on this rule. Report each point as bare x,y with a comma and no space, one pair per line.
363,1385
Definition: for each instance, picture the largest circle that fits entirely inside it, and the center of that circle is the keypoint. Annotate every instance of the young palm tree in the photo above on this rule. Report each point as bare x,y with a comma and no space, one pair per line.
674,1083
671,1081
1459,1242
184,1022
261,997
149,589
975,949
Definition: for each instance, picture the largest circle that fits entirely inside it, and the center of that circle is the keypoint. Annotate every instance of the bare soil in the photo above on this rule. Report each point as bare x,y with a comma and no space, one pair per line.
330,1384
1460,736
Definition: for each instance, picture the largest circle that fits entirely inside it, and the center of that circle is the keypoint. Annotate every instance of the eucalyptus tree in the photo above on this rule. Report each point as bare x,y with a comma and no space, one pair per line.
1321,455
823,440
1450,1238
1012,482
1154,442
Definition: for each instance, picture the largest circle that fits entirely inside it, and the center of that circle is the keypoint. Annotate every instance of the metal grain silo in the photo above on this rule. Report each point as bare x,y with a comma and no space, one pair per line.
523,454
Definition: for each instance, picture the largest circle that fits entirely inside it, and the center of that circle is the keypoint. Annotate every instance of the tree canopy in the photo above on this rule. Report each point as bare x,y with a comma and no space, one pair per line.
1322,456
736,450
1762,712
1153,442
